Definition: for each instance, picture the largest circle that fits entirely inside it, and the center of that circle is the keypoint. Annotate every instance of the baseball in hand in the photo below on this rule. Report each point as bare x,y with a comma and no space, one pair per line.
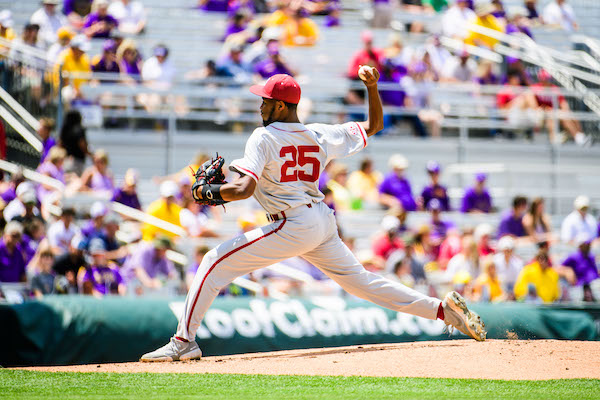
368,75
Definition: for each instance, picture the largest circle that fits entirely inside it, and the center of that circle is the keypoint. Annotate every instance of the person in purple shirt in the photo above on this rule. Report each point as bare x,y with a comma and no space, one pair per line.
499,12
148,263
99,24
512,222
238,23
13,259
44,132
246,6
52,167
273,64
584,266
213,5
10,190
392,73
95,226
485,74
439,227
108,62
101,277
395,190
127,193
332,19
477,199
530,6
129,59
199,254
434,190
325,176
518,22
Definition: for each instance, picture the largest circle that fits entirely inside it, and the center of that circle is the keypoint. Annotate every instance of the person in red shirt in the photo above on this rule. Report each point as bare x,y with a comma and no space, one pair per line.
389,240
545,92
368,55
521,106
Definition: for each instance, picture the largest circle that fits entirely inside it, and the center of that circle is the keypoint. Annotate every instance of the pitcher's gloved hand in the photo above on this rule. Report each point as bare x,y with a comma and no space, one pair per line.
209,179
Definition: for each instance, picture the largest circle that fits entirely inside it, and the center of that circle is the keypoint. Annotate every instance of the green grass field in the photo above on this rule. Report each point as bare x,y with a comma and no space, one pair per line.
45,385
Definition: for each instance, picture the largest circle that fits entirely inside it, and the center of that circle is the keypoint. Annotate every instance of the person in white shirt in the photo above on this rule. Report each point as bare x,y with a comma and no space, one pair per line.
459,69
63,231
578,222
508,265
130,14
465,261
438,54
16,206
456,19
561,14
49,21
27,48
158,68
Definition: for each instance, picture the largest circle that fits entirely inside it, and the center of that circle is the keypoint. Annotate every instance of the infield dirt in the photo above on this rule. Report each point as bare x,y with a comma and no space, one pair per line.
493,359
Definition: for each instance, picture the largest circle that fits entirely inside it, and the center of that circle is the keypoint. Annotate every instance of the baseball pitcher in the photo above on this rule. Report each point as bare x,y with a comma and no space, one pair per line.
280,168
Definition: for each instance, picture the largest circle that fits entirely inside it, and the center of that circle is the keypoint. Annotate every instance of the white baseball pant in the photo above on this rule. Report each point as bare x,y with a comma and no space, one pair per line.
309,231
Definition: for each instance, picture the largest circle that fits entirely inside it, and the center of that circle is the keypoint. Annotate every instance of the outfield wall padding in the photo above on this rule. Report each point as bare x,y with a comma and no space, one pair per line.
61,330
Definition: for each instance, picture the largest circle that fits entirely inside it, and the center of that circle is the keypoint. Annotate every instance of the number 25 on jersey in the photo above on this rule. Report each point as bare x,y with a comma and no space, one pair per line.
300,157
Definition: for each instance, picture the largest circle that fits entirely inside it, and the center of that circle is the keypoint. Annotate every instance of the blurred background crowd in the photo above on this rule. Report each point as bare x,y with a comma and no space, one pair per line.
72,226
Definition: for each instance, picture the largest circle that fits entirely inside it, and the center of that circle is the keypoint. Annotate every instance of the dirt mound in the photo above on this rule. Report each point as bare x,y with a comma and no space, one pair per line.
493,359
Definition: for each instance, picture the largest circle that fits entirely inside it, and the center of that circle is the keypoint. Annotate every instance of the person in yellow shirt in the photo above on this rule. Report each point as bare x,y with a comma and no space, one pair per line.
484,19
364,183
6,31
300,30
165,208
342,198
541,276
487,285
279,16
74,60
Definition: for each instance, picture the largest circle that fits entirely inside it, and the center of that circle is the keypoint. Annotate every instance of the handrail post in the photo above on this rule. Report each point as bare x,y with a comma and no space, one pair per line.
463,136
59,106
554,154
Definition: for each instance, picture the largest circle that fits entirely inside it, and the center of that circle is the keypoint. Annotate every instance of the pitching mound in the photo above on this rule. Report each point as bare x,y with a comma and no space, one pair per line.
493,359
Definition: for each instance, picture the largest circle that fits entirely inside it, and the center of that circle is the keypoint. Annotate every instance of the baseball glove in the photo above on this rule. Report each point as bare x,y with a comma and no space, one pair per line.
209,179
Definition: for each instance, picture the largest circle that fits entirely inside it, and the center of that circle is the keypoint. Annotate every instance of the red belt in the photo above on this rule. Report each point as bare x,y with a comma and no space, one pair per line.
281,215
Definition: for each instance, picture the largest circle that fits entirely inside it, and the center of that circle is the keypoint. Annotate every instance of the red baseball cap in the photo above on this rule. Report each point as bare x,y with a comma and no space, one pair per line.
279,87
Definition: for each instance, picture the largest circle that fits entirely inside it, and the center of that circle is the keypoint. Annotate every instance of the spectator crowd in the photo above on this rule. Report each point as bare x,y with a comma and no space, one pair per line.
257,33
425,241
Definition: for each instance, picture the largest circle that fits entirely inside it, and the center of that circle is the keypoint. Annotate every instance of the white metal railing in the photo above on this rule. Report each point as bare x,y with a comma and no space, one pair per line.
540,56
19,109
27,55
21,129
591,43
32,175
458,45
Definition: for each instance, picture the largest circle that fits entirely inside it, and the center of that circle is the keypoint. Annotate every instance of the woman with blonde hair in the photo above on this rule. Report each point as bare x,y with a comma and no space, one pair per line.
129,60
98,177
536,222
53,168
487,286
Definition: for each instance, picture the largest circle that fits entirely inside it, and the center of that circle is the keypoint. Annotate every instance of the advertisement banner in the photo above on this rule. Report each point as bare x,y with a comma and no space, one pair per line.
76,329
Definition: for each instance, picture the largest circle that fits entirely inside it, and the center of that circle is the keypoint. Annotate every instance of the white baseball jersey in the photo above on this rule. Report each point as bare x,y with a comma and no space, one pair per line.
286,160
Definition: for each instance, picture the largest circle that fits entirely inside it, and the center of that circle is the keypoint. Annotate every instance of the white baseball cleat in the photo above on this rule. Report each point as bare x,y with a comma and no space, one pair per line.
175,350
457,314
